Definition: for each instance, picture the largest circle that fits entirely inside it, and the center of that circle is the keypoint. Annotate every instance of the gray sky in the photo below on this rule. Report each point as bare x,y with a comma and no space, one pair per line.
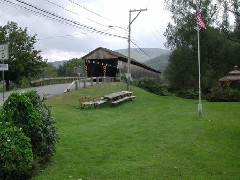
59,41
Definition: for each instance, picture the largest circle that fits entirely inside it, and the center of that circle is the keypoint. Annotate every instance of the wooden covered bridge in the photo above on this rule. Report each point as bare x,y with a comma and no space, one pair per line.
103,62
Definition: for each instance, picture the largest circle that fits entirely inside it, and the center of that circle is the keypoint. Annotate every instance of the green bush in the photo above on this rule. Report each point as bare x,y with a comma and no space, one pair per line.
149,84
27,111
16,157
47,133
235,95
187,93
19,110
223,94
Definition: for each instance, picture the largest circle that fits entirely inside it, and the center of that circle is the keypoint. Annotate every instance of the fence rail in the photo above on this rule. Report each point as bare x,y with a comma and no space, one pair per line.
61,80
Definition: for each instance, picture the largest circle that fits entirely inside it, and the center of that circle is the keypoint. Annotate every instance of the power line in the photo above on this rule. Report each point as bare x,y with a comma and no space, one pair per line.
74,13
60,19
73,2
62,36
17,6
140,48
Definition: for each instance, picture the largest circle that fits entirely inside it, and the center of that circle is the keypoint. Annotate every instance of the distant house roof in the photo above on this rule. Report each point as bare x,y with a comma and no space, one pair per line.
232,76
104,53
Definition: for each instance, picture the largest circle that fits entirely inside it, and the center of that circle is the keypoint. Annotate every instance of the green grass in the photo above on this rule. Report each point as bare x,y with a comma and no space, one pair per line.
151,137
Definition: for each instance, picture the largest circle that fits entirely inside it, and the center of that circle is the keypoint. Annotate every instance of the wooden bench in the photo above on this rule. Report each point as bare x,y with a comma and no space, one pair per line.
98,101
90,101
86,102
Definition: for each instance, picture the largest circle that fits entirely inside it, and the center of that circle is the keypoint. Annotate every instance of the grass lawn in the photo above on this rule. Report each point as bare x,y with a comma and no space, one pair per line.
151,137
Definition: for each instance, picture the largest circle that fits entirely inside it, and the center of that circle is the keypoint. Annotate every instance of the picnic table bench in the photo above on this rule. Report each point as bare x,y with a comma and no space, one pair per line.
90,101
118,97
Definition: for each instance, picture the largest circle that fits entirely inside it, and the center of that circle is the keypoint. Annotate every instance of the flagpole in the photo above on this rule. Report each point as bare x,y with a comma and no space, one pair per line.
199,77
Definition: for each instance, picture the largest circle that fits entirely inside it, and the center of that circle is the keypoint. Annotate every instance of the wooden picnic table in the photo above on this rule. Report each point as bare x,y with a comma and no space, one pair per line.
117,97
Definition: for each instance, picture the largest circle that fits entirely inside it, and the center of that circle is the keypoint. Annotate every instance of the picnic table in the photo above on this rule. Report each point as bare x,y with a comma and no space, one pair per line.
118,97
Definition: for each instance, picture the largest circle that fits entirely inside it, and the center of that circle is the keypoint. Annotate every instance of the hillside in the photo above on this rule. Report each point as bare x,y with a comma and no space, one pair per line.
138,55
159,63
58,63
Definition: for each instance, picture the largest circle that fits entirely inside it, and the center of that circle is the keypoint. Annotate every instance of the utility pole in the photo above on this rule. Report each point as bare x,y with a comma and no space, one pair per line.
129,43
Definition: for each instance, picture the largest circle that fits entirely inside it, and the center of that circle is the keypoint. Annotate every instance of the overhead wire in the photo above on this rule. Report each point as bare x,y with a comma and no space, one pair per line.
74,13
59,18
83,7
141,49
65,21
17,6
61,36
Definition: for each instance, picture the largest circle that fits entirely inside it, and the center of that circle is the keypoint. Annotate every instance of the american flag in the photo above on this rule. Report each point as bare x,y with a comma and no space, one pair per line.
200,22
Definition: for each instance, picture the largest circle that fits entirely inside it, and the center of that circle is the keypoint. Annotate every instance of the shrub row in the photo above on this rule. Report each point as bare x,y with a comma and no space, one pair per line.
25,116
187,93
149,84
223,94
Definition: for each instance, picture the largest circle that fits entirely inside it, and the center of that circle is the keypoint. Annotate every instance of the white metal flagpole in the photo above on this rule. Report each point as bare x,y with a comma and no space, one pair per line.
199,77
200,24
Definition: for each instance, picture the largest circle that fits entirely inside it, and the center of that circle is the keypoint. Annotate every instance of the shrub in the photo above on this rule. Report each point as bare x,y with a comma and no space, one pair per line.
235,95
223,94
27,111
187,93
19,110
16,155
121,78
47,133
149,84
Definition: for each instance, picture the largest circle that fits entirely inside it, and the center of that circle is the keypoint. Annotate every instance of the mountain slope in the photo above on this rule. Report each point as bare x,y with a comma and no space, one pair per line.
58,63
159,63
140,56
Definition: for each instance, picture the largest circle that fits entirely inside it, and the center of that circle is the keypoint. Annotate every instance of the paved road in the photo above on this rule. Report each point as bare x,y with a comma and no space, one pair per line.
51,90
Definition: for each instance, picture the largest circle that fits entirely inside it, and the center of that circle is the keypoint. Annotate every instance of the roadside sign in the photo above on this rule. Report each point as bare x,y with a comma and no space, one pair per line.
3,67
3,51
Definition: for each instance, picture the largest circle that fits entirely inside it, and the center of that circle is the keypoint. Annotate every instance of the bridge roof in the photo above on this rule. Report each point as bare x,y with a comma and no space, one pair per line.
104,53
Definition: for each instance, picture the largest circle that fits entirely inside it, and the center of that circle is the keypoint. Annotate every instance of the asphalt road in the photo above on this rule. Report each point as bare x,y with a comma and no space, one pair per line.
50,90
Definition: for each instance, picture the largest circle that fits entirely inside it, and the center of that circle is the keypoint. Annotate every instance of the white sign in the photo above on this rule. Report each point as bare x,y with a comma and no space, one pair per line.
3,51
3,67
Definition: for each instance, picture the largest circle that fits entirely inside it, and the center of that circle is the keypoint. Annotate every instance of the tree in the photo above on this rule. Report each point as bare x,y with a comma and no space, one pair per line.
50,71
218,53
24,60
232,6
67,69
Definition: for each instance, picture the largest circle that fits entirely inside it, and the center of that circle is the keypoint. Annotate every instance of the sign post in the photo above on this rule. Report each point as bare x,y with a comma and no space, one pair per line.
3,67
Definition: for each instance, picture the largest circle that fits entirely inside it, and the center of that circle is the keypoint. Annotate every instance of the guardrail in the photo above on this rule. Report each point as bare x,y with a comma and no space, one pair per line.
77,80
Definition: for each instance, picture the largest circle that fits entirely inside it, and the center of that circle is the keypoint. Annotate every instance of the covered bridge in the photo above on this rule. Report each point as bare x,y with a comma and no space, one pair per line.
104,62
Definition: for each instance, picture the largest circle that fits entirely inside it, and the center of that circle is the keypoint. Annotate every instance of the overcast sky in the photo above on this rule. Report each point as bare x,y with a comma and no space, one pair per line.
62,41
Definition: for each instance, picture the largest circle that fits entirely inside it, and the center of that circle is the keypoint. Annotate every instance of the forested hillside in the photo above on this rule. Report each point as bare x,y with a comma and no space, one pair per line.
140,56
159,63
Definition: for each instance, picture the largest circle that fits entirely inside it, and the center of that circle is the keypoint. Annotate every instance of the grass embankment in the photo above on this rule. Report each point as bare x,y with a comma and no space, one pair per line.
151,137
